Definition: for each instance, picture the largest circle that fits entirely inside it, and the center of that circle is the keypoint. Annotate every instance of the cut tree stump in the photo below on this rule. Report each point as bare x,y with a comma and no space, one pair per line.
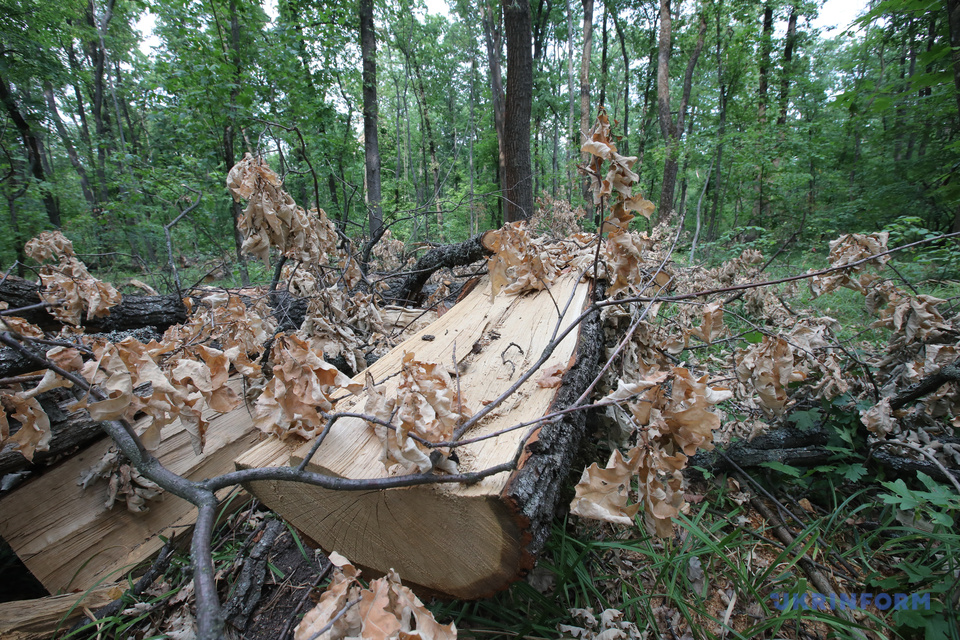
466,541
69,539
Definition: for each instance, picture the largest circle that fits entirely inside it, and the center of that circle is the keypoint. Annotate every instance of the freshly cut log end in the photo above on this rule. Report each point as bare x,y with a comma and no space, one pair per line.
465,541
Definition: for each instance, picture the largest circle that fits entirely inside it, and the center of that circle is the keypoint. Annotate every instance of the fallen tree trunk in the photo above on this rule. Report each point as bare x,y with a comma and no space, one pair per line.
466,541
69,539
133,312
71,430
447,256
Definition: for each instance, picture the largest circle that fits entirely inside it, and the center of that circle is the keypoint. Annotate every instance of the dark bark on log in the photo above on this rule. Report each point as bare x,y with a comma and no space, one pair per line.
949,373
803,449
785,444
14,363
451,255
906,468
70,432
133,312
534,489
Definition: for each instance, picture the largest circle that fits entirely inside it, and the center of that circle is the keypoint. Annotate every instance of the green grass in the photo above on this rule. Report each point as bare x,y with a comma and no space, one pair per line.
600,567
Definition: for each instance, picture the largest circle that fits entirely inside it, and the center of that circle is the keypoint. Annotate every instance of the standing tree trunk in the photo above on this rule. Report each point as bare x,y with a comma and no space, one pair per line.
714,222
766,44
228,133
787,66
574,138
491,32
585,89
953,18
625,143
603,59
32,146
670,129
68,144
516,121
371,145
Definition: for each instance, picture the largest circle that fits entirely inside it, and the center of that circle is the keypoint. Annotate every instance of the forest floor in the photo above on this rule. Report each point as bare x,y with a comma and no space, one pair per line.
746,540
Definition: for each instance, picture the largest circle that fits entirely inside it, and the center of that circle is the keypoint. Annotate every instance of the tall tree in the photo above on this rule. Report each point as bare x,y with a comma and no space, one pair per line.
585,109
518,104
31,144
371,145
672,129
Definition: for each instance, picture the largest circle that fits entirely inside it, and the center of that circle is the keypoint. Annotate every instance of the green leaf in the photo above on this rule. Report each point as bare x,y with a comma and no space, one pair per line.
854,472
754,337
805,420
782,468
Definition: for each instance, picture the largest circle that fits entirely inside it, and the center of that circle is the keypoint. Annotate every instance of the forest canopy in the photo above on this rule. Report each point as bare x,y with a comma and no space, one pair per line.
386,116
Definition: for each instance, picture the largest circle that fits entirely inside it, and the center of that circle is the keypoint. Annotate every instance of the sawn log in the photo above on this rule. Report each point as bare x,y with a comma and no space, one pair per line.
466,541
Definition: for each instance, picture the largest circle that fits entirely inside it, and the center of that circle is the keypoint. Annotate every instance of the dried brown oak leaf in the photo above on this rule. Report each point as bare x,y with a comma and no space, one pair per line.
769,367
712,326
272,217
848,249
519,262
618,179
602,494
34,433
427,406
386,610
299,392
879,419
48,245
552,377
623,254
68,286
915,317
123,481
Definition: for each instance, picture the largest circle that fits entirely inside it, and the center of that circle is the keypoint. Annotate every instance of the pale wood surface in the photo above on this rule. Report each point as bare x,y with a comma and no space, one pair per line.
68,538
462,540
41,618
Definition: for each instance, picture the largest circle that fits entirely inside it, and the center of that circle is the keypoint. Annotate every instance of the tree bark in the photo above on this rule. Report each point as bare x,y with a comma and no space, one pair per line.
574,138
766,45
603,59
625,142
715,211
447,256
491,32
68,144
133,311
585,90
787,66
371,145
953,19
32,146
516,118
670,129
228,138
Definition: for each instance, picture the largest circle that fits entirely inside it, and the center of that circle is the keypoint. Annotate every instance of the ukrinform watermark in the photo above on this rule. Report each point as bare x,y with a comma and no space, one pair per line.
835,601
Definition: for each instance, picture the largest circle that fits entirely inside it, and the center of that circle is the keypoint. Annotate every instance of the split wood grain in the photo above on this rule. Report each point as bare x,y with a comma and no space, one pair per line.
466,541
69,539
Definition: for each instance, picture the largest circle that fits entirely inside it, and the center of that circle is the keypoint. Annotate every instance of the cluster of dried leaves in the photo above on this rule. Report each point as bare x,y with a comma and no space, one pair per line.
427,407
185,373
385,610
610,626
669,414
273,219
68,287
921,343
